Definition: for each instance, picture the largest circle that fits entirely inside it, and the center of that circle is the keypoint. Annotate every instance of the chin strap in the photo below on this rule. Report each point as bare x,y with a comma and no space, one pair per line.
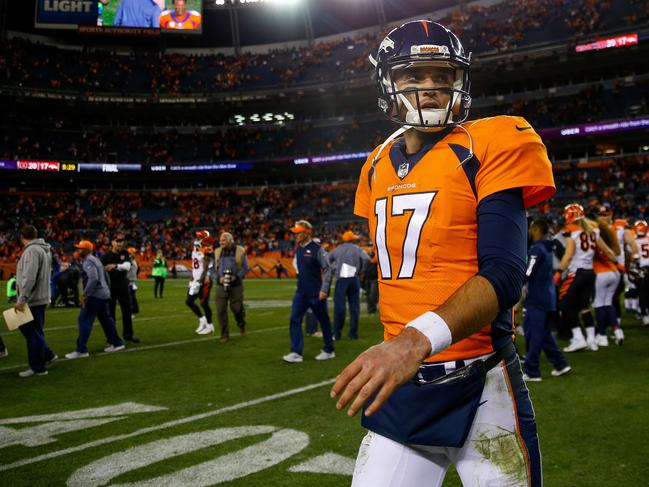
393,136
470,156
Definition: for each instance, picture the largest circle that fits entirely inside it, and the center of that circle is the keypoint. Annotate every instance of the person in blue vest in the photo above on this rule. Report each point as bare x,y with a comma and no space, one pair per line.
313,281
539,304
348,260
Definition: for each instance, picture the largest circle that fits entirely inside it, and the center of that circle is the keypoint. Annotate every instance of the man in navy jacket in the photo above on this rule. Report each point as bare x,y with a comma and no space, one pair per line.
540,302
313,281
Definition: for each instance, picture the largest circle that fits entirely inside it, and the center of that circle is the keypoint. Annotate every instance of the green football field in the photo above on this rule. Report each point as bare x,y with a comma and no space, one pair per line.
182,409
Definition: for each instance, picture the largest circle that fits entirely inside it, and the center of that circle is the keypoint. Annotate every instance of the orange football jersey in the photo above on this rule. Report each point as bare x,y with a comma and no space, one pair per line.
422,215
601,263
191,20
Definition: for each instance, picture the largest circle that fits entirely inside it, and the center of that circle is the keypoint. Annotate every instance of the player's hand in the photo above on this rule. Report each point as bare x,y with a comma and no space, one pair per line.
221,279
19,307
380,369
110,267
322,296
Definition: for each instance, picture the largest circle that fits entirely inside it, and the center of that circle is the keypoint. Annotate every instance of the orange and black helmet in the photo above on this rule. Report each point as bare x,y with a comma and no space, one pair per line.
641,228
573,212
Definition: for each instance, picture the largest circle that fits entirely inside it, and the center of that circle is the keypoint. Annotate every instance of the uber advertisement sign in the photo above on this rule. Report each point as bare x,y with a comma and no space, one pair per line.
65,14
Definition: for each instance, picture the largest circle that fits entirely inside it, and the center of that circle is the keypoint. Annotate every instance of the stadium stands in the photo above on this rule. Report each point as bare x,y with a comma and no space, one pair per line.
262,216
502,27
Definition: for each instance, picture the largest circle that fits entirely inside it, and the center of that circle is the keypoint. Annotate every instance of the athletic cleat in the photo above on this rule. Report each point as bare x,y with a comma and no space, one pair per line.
576,345
645,320
558,373
619,336
325,355
293,358
75,355
206,330
202,323
591,343
29,372
527,378
4,353
113,348
601,340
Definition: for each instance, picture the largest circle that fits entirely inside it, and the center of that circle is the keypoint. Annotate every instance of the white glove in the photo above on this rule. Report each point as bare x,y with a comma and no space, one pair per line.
194,287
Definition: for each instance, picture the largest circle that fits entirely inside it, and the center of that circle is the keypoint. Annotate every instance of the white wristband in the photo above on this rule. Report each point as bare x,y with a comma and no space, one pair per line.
435,329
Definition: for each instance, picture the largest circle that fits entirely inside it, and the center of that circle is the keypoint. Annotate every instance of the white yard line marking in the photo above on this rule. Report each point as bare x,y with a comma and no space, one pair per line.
168,424
152,347
136,321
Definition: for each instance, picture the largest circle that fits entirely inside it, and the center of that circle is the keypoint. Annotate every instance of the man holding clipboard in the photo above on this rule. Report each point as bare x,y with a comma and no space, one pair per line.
33,282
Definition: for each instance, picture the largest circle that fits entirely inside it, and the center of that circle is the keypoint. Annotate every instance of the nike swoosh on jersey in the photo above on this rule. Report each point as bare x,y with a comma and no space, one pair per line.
520,129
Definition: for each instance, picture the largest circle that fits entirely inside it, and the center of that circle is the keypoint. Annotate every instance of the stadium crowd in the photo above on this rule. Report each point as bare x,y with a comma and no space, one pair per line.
500,27
167,221
261,217
70,139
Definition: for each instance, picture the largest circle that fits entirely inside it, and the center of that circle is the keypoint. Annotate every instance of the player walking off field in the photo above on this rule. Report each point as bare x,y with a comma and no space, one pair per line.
445,201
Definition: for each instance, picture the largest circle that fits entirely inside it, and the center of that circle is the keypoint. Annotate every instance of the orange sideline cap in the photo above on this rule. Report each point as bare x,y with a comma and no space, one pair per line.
85,244
302,226
349,236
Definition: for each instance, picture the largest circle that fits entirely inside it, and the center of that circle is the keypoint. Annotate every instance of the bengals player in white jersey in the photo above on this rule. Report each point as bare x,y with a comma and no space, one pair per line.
642,240
582,240
201,283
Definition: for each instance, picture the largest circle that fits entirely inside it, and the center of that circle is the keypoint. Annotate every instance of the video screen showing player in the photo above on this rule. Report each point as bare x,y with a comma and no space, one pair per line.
153,14
182,16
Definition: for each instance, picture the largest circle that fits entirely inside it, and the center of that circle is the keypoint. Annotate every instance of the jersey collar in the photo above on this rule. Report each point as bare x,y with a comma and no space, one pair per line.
403,163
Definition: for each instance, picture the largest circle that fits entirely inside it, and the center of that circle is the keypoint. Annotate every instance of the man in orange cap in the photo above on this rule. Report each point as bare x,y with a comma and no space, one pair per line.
96,302
347,261
313,281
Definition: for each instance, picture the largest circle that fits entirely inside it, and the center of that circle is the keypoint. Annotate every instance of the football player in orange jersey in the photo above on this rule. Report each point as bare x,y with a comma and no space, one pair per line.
179,18
446,206
607,280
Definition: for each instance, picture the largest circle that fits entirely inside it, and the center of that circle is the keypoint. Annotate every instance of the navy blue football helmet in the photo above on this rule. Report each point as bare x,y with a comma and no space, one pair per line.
420,44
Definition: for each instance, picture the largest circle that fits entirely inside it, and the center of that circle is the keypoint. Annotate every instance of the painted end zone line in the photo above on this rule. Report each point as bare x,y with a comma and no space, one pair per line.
168,424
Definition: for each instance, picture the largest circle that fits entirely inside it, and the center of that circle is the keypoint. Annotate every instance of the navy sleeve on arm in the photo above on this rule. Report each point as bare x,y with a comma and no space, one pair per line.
502,242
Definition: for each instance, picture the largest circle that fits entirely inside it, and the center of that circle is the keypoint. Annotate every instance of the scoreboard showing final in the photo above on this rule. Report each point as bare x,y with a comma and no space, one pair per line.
179,16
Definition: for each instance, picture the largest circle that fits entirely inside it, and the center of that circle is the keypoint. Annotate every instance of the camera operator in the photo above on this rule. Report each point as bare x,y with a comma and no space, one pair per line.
231,265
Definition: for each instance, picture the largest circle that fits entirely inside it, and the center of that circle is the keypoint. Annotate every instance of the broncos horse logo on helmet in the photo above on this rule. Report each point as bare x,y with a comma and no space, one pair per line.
420,44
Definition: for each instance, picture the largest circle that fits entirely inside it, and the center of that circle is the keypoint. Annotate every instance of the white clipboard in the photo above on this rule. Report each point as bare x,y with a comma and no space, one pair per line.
14,318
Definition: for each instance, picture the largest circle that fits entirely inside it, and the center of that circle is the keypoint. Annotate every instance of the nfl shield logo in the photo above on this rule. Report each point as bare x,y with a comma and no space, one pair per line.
402,172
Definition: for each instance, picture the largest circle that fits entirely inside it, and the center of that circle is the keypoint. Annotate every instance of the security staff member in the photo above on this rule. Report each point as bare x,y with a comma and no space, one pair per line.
540,303
117,262
347,261
313,281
